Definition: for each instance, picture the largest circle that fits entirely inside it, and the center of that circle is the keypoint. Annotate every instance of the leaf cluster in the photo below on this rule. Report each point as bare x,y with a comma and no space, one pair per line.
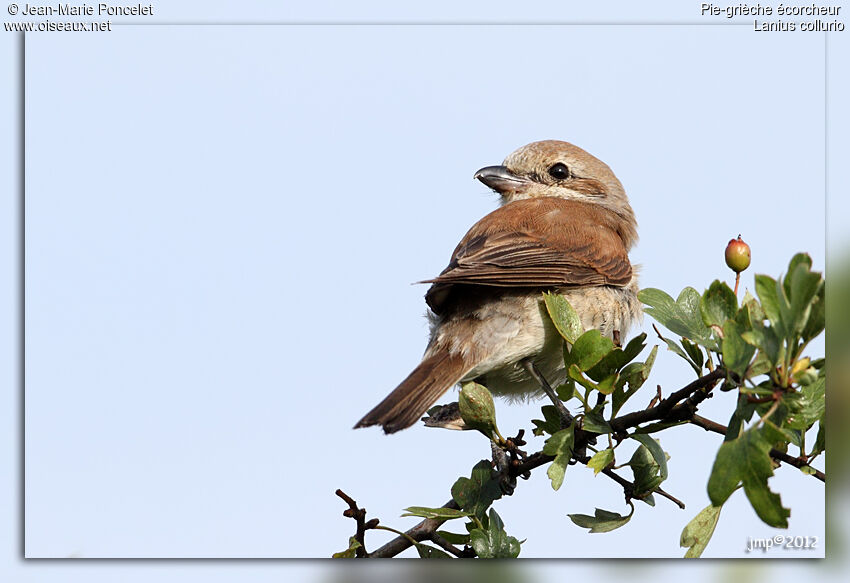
761,343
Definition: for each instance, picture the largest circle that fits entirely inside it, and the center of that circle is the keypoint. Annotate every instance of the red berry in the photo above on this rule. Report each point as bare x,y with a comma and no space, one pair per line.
737,255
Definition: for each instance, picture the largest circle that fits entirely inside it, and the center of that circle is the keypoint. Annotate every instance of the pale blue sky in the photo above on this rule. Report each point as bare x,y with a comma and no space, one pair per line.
223,224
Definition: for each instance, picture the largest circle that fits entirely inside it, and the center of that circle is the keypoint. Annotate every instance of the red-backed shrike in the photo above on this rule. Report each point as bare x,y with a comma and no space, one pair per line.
565,225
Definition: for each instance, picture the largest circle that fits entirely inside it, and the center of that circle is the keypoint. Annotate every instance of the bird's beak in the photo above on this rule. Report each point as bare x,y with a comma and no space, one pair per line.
500,179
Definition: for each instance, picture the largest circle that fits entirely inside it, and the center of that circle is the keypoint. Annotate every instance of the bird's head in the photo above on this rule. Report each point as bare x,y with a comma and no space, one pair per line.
557,169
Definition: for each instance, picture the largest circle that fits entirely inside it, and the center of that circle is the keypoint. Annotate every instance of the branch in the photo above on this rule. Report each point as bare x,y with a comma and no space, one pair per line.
796,462
359,515
628,488
709,425
665,407
668,408
450,548
533,461
715,427
670,497
425,530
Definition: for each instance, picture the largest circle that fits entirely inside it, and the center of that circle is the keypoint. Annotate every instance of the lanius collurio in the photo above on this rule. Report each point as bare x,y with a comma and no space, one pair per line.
565,225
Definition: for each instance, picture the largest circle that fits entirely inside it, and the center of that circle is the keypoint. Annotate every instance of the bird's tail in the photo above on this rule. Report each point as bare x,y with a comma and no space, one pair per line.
408,402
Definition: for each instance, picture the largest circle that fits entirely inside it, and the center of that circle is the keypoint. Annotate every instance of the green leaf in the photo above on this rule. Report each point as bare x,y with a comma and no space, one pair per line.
743,413
698,531
475,494
477,409
564,317
559,445
551,422
566,391
737,353
746,459
662,307
682,317
689,300
425,512
785,315
617,358
454,538
601,460
601,521
646,471
595,422
793,437
620,394
635,375
574,372
429,552
754,309
649,362
493,542
775,435
766,290
805,285
806,406
817,316
718,304
350,552
766,340
589,349
655,449
633,348
695,354
606,385
820,441
674,347
799,259
760,365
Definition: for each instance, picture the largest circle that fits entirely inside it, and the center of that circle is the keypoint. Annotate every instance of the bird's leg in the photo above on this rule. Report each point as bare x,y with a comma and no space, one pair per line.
535,373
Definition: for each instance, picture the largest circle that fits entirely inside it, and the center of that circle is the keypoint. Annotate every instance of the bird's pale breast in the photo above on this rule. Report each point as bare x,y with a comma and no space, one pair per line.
499,334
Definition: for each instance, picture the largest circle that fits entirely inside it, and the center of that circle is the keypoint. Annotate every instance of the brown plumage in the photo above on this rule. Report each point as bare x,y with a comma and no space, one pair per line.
403,407
566,225
537,243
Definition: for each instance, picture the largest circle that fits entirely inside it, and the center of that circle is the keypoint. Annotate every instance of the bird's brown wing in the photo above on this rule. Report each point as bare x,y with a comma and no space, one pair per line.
537,243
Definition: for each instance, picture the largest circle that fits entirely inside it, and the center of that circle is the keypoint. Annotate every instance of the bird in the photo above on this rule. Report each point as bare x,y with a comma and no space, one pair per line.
565,226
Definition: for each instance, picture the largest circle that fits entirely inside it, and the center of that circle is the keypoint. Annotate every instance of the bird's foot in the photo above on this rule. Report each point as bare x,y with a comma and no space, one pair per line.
446,416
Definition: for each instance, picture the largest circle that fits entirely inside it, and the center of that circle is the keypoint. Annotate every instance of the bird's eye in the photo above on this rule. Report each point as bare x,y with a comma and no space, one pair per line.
559,171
